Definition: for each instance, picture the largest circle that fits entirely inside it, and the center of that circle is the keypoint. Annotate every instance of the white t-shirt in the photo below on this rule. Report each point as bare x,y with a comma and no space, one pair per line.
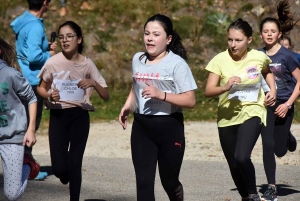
172,75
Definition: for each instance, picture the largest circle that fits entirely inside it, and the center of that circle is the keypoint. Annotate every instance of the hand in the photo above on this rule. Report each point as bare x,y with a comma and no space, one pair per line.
281,110
123,116
152,92
52,48
29,139
270,99
86,83
54,96
231,81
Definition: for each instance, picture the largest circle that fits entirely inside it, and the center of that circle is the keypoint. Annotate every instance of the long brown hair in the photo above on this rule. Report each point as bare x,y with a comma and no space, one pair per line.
8,54
285,21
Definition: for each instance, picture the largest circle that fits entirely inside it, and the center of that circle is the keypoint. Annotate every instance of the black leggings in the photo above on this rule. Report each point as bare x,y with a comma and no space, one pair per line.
237,143
68,134
158,139
275,139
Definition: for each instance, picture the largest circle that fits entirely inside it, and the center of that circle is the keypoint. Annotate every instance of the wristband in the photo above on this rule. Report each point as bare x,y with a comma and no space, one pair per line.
165,96
288,105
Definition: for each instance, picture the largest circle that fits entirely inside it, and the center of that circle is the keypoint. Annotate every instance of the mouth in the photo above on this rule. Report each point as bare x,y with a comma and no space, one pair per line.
66,46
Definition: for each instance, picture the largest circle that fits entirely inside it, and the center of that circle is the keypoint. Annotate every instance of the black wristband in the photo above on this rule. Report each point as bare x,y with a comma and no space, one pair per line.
165,96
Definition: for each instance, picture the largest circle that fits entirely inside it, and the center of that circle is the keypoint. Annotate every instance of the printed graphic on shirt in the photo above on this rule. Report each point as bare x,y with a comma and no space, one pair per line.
152,106
276,69
252,72
3,117
4,88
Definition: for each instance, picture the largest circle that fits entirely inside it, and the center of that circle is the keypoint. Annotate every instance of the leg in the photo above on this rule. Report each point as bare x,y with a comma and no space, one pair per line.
59,144
268,143
281,133
170,155
144,157
14,172
79,131
247,135
228,138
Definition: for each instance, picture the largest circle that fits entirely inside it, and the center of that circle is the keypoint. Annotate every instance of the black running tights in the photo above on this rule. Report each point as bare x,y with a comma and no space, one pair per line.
237,143
158,139
275,139
68,134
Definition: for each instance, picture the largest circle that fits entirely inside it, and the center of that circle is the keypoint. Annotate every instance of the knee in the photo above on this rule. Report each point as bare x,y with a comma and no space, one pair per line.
242,160
13,194
280,152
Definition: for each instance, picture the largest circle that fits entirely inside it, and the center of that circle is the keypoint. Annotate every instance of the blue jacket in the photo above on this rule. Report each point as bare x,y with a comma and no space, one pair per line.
31,45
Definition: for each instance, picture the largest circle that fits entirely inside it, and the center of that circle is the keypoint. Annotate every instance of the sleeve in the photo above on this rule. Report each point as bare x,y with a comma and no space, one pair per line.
292,62
22,87
95,75
266,60
45,74
34,45
214,66
184,79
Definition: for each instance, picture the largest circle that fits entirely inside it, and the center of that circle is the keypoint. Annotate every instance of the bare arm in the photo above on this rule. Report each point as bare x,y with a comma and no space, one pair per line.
212,86
29,138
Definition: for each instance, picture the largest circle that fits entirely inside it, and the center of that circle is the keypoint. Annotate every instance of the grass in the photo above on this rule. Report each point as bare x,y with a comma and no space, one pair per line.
113,34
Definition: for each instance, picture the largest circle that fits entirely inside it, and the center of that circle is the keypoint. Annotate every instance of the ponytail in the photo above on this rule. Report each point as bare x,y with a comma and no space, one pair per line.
176,46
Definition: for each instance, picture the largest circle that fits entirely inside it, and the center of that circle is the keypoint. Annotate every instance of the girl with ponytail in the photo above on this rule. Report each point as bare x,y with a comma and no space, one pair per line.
276,136
162,85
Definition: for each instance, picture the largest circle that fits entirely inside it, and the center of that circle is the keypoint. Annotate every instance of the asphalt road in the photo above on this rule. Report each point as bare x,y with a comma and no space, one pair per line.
113,179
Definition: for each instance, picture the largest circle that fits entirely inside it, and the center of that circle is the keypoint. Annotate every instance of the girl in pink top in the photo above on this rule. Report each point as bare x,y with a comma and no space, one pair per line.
67,81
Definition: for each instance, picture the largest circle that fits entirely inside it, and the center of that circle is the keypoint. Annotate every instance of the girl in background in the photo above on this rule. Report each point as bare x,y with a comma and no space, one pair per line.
285,67
67,82
16,131
162,85
235,76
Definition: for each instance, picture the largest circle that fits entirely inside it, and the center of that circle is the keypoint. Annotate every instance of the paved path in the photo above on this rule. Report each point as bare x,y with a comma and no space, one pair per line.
112,179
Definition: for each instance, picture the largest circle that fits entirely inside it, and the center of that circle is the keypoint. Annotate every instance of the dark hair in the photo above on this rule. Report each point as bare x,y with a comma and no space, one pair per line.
77,29
242,25
283,37
35,4
175,44
8,54
285,21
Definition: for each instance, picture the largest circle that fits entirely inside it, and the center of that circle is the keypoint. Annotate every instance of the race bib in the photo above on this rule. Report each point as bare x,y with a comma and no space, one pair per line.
69,91
244,92
153,106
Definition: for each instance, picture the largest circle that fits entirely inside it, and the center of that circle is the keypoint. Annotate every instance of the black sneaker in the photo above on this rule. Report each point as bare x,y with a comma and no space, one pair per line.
254,197
292,143
270,194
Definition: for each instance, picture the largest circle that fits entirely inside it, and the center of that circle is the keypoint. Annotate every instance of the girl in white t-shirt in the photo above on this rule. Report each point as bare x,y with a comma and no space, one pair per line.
67,81
162,85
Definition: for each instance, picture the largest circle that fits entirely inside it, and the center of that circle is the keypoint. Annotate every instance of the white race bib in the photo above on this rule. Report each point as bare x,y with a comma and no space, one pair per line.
153,106
244,92
68,90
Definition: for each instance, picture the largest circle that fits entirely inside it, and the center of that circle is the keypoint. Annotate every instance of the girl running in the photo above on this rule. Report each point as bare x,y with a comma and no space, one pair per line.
16,131
235,76
162,85
67,81
285,67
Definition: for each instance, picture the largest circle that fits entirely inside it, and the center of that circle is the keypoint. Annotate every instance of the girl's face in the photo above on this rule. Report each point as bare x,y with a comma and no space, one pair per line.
68,39
270,33
238,43
155,39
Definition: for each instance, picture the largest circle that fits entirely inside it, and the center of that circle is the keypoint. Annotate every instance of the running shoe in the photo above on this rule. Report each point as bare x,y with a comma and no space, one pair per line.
270,194
254,197
292,143
41,176
34,166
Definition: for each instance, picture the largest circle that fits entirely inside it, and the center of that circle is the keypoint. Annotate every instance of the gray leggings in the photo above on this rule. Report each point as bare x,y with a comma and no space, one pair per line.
14,172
